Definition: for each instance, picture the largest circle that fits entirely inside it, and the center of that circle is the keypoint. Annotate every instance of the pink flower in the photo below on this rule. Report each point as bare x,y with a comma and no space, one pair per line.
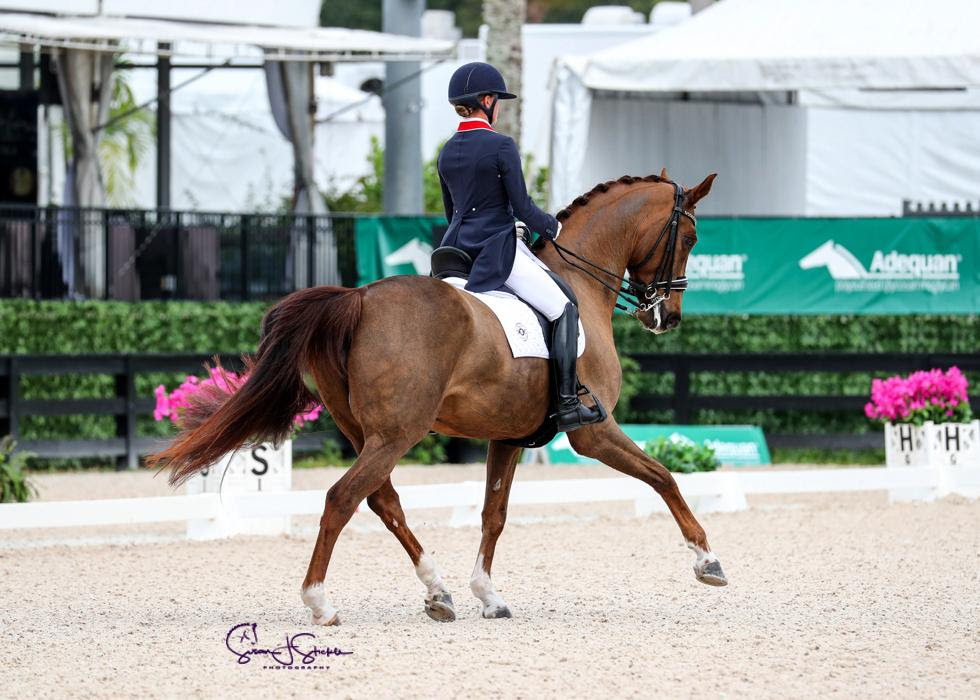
171,406
918,397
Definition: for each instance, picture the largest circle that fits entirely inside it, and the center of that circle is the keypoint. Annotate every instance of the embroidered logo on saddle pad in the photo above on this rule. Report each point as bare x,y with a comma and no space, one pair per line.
518,321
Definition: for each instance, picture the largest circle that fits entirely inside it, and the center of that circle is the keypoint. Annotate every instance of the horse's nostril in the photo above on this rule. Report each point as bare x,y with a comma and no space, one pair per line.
673,320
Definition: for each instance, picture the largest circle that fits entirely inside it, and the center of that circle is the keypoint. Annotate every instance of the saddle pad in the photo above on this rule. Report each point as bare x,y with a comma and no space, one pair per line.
519,321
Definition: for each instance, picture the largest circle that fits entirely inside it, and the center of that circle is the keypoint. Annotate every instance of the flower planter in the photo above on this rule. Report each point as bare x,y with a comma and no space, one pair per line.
248,470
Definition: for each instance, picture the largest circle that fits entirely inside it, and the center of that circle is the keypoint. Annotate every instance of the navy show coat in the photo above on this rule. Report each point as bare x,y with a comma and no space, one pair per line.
482,190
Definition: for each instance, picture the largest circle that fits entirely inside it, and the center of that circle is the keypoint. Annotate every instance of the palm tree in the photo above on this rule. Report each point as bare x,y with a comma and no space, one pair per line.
124,142
127,137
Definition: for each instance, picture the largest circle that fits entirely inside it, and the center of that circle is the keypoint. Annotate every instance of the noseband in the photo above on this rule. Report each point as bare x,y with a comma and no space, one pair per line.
651,295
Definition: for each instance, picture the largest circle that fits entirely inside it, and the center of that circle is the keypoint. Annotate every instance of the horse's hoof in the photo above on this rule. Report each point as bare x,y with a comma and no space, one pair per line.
711,574
324,622
497,613
440,608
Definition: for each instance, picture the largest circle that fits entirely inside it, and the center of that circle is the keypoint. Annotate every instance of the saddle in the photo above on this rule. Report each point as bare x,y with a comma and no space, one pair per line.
448,261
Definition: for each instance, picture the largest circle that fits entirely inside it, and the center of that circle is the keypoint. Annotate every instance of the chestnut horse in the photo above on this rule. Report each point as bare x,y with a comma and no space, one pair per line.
409,354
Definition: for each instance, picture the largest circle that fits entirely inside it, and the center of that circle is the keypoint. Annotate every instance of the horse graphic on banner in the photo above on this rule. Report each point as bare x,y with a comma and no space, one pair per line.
839,261
416,253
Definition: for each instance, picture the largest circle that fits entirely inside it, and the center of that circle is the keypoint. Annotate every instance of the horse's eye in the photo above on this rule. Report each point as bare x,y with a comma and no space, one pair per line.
688,241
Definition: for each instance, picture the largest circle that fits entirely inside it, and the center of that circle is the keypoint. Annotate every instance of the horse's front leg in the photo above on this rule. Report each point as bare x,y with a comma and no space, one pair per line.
501,463
607,443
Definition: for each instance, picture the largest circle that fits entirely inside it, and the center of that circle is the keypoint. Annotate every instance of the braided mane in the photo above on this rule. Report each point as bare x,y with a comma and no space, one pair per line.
583,199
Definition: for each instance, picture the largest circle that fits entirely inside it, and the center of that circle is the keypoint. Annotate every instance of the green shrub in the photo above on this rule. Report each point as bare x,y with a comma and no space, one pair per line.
430,450
682,456
32,327
14,485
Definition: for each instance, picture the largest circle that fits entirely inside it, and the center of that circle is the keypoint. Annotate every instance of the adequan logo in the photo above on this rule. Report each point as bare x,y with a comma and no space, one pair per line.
890,271
716,273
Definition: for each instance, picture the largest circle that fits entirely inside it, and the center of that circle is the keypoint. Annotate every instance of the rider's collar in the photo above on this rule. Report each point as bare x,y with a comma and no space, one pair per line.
471,123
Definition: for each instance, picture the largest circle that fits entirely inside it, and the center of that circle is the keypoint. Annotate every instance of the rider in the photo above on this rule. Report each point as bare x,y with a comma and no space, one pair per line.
482,189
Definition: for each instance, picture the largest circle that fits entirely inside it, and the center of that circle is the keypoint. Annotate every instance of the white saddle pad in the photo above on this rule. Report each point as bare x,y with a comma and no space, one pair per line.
518,321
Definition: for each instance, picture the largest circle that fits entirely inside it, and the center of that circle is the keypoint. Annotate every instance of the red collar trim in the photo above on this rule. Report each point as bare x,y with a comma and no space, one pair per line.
470,126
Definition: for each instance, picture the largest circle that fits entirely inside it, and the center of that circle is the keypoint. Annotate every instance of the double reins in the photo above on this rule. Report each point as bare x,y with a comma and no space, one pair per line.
648,296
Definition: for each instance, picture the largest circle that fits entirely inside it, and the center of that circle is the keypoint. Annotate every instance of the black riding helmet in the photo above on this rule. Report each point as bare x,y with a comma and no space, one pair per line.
472,80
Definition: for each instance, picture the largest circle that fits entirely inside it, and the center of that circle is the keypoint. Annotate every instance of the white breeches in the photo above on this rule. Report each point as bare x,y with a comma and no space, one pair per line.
529,281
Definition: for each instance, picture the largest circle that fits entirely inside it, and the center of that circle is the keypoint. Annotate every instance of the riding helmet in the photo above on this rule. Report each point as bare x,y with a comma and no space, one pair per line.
475,79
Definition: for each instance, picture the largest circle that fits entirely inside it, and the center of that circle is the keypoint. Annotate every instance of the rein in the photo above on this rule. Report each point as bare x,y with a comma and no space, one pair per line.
647,295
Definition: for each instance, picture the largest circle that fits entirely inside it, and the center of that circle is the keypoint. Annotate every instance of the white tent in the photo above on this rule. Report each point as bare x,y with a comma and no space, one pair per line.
228,154
137,35
804,108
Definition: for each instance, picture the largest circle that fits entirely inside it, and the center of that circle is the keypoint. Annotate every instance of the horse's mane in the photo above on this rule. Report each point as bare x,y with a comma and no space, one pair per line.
583,199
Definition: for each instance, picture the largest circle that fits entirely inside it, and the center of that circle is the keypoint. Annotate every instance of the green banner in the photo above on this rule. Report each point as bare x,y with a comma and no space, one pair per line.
774,266
393,245
835,266
738,445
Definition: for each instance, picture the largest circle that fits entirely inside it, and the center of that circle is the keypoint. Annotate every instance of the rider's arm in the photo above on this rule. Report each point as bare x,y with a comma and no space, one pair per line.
509,166
447,199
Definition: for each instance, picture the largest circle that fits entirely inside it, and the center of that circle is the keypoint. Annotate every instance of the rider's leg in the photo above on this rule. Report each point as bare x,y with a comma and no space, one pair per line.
534,285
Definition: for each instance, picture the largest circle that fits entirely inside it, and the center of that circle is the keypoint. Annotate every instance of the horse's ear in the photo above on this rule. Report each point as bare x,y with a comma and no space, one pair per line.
696,194
663,174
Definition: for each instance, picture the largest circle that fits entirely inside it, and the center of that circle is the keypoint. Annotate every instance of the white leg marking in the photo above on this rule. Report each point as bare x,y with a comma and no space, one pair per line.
496,486
428,574
704,558
316,600
482,588
394,524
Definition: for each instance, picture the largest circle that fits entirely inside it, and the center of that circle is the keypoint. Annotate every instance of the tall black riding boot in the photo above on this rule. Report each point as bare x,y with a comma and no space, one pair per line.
571,413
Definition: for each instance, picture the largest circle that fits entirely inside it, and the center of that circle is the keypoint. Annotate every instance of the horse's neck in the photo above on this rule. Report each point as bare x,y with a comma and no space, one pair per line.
602,245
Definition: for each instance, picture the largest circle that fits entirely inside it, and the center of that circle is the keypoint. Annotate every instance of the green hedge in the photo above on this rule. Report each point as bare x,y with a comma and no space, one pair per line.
28,327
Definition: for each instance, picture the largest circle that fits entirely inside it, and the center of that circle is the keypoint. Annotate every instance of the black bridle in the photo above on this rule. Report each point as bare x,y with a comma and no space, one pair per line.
648,296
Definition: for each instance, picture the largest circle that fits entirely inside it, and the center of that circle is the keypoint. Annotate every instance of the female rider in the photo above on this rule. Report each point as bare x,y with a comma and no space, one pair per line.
482,189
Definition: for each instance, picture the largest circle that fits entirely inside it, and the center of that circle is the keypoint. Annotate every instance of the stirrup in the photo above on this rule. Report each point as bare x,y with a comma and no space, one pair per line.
580,415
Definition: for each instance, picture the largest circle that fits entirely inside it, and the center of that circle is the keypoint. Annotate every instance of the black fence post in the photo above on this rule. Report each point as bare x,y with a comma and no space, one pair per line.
682,393
126,421
179,286
106,245
5,398
310,248
244,228
13,398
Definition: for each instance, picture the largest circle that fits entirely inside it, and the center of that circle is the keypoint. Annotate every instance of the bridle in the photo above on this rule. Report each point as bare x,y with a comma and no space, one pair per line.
648,296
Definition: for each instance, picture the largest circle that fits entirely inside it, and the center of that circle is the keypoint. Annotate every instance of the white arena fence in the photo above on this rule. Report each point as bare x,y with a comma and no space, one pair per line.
210,515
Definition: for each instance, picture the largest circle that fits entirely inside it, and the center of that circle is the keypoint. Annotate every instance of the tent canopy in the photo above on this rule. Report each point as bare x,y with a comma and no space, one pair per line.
193,39
782,45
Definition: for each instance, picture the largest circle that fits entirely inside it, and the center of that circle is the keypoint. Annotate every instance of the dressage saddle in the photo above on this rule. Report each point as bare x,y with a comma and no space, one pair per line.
454,262
448,261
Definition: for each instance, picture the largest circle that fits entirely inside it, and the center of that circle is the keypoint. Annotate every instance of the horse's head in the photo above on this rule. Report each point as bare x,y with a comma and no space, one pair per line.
655,261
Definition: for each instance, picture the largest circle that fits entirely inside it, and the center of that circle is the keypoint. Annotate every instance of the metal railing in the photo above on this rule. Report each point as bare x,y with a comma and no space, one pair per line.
125,405
139,255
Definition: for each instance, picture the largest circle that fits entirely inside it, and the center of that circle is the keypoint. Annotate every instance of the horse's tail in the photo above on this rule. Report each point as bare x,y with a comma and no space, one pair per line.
313,325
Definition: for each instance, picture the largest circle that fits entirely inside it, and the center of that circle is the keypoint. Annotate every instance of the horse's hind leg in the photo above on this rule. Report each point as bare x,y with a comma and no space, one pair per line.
385,503
610,445
501,464
438,602
368,473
